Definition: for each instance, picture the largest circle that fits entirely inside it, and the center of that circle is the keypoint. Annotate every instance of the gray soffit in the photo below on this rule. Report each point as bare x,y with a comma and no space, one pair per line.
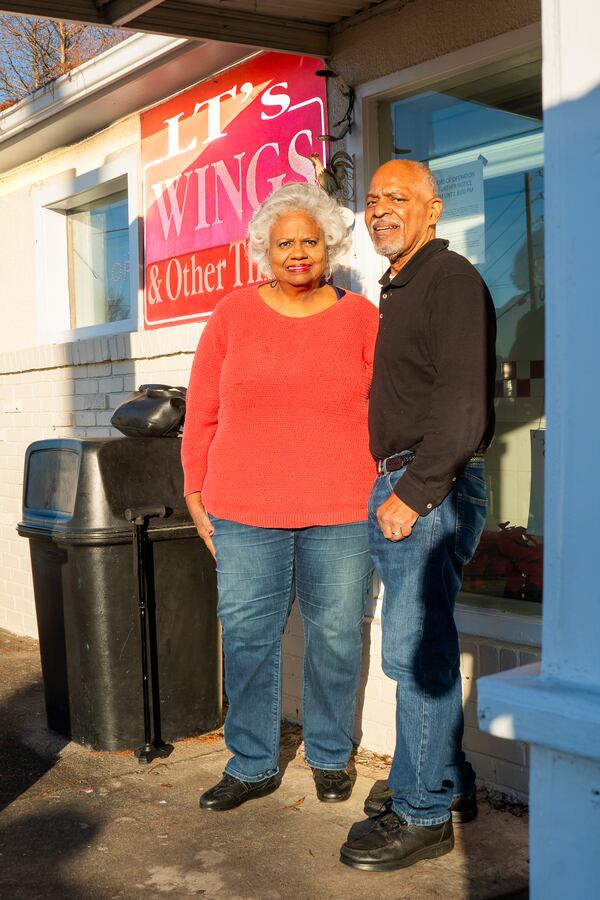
305,28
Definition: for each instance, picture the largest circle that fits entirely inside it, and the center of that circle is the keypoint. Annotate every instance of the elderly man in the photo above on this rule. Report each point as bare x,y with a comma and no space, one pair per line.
431,419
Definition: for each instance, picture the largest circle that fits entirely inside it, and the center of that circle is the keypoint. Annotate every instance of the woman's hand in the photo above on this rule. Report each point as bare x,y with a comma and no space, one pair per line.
201,520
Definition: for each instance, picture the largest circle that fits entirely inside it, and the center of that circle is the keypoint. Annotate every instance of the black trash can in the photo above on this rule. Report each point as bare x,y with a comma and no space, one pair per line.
74,498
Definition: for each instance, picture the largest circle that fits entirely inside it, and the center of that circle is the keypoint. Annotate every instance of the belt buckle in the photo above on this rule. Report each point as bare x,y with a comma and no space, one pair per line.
380,467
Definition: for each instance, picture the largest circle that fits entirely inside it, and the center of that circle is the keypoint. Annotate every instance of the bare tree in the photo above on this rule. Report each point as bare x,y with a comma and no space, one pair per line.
35,51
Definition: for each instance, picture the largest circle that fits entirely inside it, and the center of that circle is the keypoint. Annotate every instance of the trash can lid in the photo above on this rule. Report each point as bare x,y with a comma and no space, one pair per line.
75,489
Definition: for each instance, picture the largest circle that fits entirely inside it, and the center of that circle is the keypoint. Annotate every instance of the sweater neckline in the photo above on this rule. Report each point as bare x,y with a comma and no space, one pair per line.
312,316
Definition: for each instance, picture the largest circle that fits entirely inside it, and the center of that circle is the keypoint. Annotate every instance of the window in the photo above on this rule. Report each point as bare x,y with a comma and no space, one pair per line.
88,240
482,135
98,245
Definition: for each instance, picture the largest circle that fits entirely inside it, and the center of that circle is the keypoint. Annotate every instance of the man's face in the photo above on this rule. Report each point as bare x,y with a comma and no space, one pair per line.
401,211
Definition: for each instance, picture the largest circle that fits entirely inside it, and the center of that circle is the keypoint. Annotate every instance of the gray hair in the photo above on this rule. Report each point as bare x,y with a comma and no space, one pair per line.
428,176
299,197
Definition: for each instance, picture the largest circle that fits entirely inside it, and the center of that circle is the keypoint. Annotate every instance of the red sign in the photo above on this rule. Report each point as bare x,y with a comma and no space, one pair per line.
210,157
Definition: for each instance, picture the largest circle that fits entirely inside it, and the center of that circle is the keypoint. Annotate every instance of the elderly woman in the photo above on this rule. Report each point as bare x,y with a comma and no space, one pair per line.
277,477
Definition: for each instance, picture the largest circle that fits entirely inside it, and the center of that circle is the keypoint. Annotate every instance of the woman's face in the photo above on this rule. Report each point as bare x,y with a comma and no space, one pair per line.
297,252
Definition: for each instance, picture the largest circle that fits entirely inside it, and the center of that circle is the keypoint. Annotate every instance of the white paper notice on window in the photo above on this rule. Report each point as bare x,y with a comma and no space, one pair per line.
463,219
535,524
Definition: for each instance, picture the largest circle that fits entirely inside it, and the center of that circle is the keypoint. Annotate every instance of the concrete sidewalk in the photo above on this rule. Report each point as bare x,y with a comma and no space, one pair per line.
93,826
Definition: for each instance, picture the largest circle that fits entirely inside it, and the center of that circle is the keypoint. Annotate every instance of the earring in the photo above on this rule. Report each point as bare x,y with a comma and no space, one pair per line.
273,283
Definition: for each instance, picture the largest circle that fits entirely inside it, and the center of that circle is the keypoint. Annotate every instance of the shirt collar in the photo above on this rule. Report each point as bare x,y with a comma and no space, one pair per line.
414,264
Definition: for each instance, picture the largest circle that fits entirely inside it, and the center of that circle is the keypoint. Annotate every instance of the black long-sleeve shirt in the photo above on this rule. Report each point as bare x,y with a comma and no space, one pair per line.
434,372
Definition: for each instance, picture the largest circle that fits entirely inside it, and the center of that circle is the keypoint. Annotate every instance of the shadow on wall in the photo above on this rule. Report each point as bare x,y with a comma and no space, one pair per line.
350,280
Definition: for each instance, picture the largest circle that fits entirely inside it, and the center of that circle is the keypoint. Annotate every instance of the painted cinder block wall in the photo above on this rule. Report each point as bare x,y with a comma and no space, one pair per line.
67,390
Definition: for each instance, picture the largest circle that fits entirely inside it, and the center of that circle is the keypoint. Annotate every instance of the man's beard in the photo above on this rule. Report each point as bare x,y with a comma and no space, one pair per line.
391,247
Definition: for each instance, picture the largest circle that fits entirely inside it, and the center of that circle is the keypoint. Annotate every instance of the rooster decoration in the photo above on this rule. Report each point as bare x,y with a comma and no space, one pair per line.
337,178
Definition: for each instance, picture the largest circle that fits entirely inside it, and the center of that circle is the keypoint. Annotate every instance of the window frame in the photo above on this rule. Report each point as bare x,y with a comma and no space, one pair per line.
74,299
486,616
53,275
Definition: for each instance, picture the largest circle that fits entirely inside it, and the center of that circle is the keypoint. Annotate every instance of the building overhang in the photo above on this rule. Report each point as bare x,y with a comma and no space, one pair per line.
305,28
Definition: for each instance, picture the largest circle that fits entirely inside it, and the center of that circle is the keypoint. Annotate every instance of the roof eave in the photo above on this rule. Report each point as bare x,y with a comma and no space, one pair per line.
105,89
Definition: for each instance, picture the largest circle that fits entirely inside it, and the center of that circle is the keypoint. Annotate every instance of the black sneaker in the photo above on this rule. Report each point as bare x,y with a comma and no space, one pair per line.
392,844
332,787
231,792
463,809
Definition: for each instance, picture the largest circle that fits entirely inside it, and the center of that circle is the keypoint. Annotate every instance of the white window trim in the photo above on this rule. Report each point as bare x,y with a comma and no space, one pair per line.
52,261
488,617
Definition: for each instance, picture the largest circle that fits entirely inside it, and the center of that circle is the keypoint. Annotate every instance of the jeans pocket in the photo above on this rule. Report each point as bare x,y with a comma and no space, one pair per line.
384,486
471,513
392,478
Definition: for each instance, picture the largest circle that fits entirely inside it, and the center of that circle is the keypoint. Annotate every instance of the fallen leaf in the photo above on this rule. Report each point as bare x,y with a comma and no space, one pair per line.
296,804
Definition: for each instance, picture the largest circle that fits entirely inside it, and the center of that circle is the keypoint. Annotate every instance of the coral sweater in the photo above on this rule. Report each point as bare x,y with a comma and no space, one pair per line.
276,424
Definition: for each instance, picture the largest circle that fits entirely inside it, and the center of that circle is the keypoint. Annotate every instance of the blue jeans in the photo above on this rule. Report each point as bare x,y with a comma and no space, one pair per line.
422,575
259,571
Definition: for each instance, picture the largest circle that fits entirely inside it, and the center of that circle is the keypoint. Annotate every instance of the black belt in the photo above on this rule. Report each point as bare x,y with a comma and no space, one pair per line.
395,462
400,460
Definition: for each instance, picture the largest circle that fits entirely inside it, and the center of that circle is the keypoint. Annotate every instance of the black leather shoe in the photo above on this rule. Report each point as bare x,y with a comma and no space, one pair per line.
463,809
332,787
231,792
392,844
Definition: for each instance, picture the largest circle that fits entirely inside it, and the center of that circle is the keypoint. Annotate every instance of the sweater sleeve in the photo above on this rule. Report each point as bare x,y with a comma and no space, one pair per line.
202,407
462,341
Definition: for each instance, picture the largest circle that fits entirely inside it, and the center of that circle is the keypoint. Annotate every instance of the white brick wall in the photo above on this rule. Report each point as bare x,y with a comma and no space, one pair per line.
67,390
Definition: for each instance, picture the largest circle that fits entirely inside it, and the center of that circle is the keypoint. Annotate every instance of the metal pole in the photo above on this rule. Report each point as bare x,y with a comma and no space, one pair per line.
143,607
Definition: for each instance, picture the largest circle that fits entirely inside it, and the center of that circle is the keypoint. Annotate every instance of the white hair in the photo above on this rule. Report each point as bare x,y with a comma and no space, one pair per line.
299,197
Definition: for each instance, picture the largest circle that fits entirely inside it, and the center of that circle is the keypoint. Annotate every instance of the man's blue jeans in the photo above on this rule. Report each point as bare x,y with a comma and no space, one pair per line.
259,571
422,575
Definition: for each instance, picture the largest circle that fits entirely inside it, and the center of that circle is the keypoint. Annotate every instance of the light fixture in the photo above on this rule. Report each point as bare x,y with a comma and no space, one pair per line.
346,120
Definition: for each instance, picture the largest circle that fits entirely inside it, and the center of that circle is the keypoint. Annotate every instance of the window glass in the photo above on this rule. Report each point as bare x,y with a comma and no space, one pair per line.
99,282
482,135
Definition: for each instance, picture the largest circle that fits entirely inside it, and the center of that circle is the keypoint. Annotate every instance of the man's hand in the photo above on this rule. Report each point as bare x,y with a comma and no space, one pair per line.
201,520
396,519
